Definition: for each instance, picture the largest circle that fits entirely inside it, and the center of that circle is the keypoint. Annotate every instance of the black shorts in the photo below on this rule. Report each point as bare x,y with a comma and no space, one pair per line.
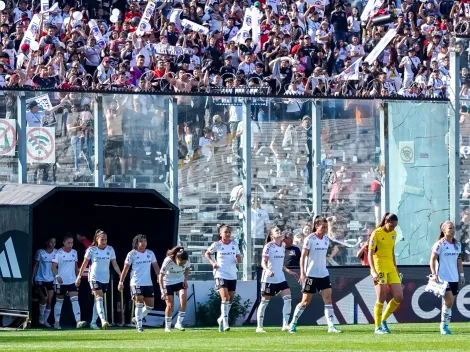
97,286
268,289
62,290
172,289
45,285
113,148
316,284
134,149
230,285
454,287
146,291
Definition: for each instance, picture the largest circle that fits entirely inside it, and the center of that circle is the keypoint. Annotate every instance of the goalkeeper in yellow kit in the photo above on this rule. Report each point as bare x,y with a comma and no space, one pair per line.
384,271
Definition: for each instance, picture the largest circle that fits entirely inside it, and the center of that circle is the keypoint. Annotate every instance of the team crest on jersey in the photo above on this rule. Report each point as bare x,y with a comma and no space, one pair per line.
233,248
267,290
148,255
393,237
107,253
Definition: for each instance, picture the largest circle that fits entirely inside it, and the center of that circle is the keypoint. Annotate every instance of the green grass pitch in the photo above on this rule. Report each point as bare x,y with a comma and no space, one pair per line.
404,337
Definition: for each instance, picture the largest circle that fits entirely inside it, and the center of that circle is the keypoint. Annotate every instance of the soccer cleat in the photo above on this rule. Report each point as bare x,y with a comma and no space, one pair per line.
94,326
81,324
57,327
445,330
379,331
285,327
226,328
334,330
385,328
140,329
293,328
46,324
260,330
167,330
179,327
41,321
220,321
105,325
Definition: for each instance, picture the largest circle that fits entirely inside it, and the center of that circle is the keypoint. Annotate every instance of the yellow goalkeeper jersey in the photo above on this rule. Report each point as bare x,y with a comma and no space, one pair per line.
382,244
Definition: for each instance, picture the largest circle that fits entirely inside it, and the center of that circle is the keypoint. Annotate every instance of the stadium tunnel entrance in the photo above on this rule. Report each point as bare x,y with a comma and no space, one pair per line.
33,213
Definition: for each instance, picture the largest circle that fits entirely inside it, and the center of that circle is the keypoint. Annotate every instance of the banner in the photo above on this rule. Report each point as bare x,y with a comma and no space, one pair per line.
44,6
175,18
381,46
354,299
162,49
371,7
144,24
97,34
187,24
44,102
351,73
32,32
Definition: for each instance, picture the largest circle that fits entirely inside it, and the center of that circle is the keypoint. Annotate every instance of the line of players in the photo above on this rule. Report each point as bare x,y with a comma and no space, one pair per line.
446,265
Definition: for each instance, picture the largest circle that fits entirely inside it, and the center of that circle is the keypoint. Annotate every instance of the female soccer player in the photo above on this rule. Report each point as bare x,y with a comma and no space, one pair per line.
314,275
273,280
384,270
173,279
44,279
100,255
141,259
65,269
446,265
225,271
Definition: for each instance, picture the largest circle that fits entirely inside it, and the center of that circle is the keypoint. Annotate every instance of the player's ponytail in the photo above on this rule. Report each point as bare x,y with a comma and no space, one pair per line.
388,217
442,234
177,252
98,233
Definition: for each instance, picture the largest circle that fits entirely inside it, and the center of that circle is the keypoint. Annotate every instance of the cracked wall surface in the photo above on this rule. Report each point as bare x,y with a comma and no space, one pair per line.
419,192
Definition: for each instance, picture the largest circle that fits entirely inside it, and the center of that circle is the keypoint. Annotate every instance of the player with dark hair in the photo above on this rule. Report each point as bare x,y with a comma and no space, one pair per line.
65,269
314,275
173,279
273,280
383,269
141,260
446,265
100,255
225,271
44,279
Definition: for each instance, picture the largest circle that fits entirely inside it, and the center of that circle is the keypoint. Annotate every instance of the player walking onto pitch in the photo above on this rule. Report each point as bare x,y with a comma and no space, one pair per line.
225,271
44,279
141,260
100,255
384,270
273,280
173,279
65,269
314,275
446,265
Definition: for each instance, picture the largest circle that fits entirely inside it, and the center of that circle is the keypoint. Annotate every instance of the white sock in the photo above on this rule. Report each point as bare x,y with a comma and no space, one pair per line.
58,310
167,322
329,315
100,308
224,310
299,309
42,308
446,315
286,309
95,314
260,314
75,308
147,310
139,307
47,312
229,307
180,318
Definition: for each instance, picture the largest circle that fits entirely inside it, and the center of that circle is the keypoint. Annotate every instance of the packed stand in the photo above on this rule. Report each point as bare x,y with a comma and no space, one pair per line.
313,47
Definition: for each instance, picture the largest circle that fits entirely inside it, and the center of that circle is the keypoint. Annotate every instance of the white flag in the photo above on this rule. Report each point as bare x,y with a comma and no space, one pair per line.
32,32
194,27
351,73
144,24
175,18
97,33
381,46
371,7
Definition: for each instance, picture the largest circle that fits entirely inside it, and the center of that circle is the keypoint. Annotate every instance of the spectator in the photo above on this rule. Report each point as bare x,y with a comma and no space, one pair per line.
293,252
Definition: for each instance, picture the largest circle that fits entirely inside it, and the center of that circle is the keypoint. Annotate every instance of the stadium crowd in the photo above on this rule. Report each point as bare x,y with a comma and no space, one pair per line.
300,47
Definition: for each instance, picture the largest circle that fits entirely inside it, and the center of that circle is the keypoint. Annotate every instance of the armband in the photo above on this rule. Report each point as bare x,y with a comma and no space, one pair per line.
121,283
57,276
462,274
